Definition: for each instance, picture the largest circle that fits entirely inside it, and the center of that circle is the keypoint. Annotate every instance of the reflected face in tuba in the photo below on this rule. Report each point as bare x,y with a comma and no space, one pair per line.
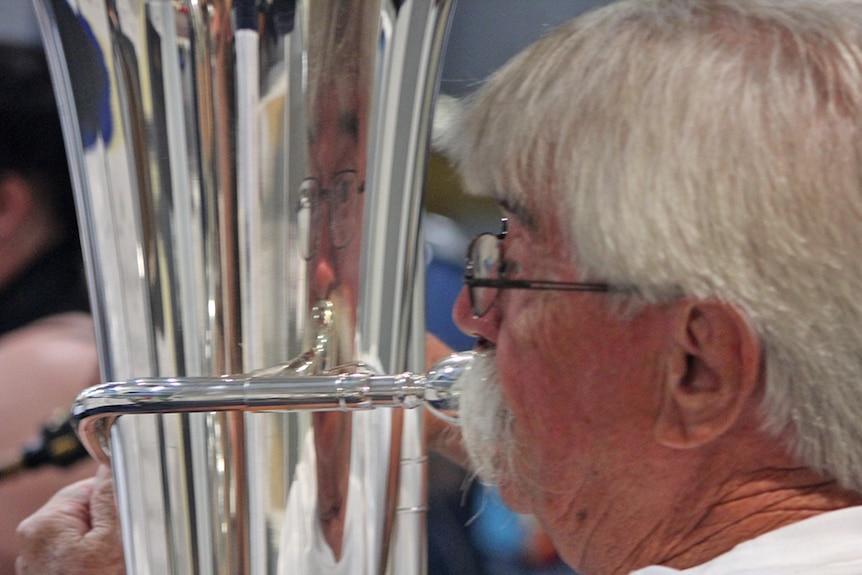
342,40
334,198
341,47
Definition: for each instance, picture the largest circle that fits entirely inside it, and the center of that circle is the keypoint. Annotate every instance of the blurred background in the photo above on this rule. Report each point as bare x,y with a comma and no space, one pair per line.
47,345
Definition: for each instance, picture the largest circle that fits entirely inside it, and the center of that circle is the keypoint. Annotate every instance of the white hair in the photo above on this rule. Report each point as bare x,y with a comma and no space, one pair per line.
712,149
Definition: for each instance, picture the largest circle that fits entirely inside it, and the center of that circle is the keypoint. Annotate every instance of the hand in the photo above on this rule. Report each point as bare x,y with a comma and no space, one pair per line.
77,532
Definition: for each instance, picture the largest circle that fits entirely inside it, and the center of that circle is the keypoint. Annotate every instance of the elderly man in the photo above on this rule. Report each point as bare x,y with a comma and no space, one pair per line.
669,321
683,384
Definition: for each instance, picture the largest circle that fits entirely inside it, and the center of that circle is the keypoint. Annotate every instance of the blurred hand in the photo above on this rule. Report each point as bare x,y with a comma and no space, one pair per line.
77,532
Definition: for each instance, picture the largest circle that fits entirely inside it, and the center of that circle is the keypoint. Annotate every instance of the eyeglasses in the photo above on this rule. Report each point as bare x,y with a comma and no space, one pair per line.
343,192
485,273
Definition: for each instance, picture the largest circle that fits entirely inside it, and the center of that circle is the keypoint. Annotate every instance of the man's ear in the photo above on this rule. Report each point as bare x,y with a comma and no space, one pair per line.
713,372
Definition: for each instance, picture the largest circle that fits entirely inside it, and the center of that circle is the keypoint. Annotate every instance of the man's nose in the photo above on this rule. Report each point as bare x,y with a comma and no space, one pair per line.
324,277
485,327
324,272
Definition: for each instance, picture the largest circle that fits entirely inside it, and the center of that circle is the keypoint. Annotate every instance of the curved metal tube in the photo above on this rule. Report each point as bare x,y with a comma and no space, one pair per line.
95,410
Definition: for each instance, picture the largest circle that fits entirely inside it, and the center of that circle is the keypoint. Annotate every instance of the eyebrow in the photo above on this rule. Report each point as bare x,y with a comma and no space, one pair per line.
518,210
348,123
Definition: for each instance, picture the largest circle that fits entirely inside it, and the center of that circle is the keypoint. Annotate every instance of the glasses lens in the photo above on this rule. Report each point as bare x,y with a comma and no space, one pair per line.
485,259
343,196
307,216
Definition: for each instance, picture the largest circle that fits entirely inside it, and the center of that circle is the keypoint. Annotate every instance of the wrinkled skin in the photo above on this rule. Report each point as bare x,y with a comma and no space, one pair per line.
76,533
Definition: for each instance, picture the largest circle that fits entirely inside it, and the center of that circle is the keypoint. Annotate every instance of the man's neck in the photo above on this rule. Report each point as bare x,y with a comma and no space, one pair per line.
749,505
698,506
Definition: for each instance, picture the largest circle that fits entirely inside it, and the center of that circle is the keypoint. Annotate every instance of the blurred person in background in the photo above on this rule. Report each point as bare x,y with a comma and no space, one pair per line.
47,347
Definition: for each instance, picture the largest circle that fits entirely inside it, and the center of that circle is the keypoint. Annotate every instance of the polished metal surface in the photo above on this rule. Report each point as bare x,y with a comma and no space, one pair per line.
247,175
96,408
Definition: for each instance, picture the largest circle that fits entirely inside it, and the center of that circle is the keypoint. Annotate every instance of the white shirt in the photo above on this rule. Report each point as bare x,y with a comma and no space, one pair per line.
304,550
826,544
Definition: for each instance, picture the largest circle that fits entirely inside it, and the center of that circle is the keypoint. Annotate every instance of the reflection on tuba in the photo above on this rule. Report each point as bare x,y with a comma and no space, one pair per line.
247,176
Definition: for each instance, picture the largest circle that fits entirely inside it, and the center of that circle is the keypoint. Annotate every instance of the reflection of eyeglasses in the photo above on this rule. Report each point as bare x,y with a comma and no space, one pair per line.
344,189
485,274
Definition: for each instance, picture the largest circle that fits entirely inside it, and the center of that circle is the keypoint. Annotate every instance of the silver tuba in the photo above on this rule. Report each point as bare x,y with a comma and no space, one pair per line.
247,177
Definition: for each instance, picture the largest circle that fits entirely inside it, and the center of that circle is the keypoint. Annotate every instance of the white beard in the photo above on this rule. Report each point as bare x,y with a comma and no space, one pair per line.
486,421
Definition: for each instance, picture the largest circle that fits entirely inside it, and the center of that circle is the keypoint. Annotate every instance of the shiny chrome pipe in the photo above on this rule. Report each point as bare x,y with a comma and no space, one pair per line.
248,180
95,410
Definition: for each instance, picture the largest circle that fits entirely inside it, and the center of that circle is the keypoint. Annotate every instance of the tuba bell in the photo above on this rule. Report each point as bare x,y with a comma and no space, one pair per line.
247,177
